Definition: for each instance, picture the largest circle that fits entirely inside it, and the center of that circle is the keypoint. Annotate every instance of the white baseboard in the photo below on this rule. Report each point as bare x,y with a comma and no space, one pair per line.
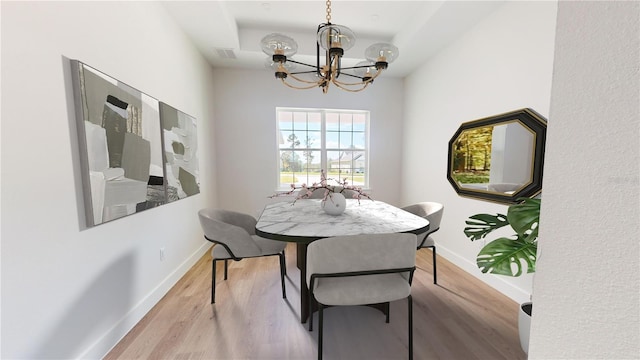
111,338
513,292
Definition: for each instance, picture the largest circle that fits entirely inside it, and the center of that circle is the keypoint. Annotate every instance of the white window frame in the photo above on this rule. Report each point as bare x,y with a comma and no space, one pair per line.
357,175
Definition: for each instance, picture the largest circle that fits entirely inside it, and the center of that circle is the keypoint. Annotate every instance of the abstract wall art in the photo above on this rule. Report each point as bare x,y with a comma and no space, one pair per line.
179,134
121,147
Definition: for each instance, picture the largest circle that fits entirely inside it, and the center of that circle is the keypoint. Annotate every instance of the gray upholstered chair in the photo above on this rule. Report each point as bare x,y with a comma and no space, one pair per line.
235,238
431,211
361,270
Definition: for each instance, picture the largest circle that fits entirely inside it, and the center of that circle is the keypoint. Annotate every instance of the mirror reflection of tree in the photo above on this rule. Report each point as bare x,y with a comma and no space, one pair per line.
472,156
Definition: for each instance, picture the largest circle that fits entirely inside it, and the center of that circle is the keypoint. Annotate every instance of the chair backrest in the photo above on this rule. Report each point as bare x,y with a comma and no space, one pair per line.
431,211
231,228
316,194
319,193
349,194
361,253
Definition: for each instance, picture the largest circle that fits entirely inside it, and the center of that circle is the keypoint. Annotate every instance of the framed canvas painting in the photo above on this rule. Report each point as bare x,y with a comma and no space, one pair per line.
180,138
120,140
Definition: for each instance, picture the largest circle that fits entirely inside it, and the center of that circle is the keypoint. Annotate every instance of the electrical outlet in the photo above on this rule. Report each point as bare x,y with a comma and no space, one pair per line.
162,254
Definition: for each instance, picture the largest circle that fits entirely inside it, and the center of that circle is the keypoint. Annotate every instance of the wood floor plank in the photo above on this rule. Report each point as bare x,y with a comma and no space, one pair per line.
460,318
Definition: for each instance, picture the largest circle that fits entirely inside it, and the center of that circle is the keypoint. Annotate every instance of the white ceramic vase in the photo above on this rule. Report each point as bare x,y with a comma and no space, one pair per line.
334,204
524,325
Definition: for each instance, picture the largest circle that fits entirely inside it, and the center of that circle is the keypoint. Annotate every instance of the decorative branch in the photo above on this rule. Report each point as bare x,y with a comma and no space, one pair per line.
306,191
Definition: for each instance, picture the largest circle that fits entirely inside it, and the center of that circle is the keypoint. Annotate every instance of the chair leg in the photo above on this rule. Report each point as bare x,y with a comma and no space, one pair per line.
226,261
320,306
387,310
310,311
435,271
282,272
410,308
284,257
213,282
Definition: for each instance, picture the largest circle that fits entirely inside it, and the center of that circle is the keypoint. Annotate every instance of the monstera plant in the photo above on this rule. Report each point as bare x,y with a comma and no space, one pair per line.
510,256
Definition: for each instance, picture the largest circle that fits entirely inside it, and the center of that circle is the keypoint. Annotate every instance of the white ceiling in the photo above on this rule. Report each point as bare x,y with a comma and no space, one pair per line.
418,28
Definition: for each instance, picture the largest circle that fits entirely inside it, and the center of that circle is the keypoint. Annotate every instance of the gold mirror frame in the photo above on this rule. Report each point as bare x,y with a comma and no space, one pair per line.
482,130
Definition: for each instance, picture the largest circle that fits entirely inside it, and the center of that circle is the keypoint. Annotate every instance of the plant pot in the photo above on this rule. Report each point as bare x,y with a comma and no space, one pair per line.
334,204
524,325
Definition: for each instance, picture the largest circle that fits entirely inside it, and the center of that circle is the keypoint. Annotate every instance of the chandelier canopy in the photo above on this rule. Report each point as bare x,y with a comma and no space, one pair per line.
334,40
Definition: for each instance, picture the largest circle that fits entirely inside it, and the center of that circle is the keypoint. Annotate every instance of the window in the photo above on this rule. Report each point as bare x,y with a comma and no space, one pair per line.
310,140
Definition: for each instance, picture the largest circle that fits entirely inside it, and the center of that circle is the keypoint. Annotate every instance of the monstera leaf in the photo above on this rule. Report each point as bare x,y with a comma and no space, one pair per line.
509,257
524,218
482,224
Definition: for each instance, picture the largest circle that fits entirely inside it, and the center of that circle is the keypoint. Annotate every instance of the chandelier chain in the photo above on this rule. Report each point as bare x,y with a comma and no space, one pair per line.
328,11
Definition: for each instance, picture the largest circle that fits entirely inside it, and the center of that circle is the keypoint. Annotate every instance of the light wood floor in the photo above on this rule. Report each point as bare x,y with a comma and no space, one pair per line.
460,318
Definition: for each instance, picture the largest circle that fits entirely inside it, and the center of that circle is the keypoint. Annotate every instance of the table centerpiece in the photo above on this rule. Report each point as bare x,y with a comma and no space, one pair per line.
333,197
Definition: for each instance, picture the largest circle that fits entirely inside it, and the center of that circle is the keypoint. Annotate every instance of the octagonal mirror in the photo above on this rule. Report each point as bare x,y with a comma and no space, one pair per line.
499,158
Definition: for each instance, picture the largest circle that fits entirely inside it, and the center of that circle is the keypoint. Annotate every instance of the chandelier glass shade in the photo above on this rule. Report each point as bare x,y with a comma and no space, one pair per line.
334,41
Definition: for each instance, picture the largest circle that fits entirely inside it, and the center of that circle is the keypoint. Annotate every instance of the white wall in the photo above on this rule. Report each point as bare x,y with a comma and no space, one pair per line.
502,64
67,291
587,285
245,103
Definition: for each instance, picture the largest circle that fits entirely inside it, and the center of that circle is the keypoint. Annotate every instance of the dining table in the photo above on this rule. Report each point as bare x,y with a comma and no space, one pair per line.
303,221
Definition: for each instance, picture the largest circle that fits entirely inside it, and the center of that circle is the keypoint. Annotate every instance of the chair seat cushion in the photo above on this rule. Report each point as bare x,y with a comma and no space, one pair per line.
267,247
219,252
428,242
359,290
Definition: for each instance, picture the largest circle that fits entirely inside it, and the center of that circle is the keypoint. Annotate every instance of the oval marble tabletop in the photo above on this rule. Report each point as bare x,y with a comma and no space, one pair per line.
305,221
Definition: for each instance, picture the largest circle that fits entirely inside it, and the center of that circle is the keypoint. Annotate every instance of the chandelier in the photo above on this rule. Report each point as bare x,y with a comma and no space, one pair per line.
334,40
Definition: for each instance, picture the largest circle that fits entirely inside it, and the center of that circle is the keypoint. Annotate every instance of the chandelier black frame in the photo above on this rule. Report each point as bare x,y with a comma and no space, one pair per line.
334,39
